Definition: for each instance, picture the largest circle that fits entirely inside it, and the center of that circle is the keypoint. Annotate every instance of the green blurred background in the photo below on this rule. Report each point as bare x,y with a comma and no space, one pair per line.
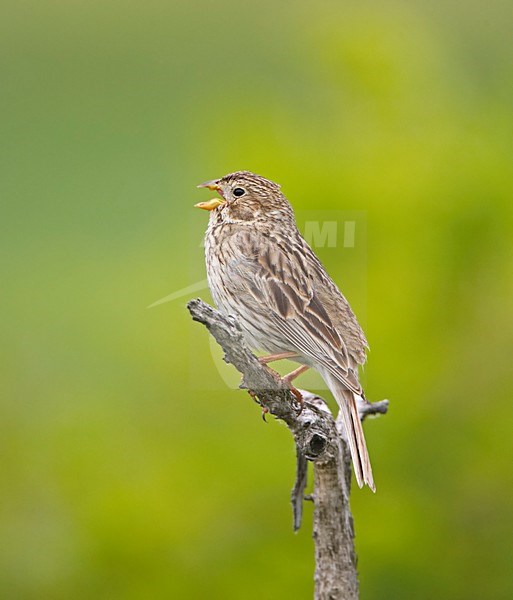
128,468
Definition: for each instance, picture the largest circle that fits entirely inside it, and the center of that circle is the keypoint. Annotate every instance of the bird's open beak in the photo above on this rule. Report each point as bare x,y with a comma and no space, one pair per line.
210,205
215,202
211,185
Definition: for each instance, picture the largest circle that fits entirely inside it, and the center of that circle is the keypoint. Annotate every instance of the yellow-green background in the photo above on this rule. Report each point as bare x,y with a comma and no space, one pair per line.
127,468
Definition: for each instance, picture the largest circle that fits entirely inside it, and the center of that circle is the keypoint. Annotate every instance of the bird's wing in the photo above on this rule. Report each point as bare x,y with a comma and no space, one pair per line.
287,278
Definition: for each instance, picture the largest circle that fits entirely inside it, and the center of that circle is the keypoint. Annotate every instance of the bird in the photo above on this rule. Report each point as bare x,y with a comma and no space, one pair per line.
261,270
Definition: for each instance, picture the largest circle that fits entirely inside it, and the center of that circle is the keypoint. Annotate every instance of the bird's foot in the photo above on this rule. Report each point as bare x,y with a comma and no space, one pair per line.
253,395
299,397
288,379
265,410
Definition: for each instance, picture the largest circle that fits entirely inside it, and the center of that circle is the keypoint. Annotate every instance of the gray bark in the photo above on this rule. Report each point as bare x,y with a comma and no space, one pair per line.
318,439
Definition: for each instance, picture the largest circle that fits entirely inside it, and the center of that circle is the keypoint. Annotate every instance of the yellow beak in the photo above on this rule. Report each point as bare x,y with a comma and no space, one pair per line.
211,204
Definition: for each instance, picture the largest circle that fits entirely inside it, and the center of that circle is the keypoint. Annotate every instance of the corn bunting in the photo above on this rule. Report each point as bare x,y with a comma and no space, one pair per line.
261,270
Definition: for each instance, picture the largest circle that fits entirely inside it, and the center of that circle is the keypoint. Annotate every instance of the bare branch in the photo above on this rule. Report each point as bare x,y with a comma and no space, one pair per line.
318,439
298,491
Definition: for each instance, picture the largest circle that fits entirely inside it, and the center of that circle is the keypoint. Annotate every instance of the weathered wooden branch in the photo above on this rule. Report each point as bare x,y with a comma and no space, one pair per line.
318,439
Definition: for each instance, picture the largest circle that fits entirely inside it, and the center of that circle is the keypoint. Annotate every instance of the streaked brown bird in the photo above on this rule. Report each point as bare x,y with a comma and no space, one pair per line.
261,270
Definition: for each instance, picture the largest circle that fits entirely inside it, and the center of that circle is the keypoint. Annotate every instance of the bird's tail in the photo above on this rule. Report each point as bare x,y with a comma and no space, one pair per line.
354,431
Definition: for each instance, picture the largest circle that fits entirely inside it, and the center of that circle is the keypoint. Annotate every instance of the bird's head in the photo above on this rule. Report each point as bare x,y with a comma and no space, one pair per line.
246,197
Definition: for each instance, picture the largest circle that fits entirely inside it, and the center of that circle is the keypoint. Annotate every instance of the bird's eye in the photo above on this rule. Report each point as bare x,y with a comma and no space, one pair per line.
238,192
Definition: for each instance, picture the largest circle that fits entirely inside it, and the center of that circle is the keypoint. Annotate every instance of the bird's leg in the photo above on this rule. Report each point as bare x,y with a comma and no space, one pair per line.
295,373
290,377
264,360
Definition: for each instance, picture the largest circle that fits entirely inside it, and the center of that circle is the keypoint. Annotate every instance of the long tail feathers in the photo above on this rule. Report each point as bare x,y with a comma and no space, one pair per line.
353,426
